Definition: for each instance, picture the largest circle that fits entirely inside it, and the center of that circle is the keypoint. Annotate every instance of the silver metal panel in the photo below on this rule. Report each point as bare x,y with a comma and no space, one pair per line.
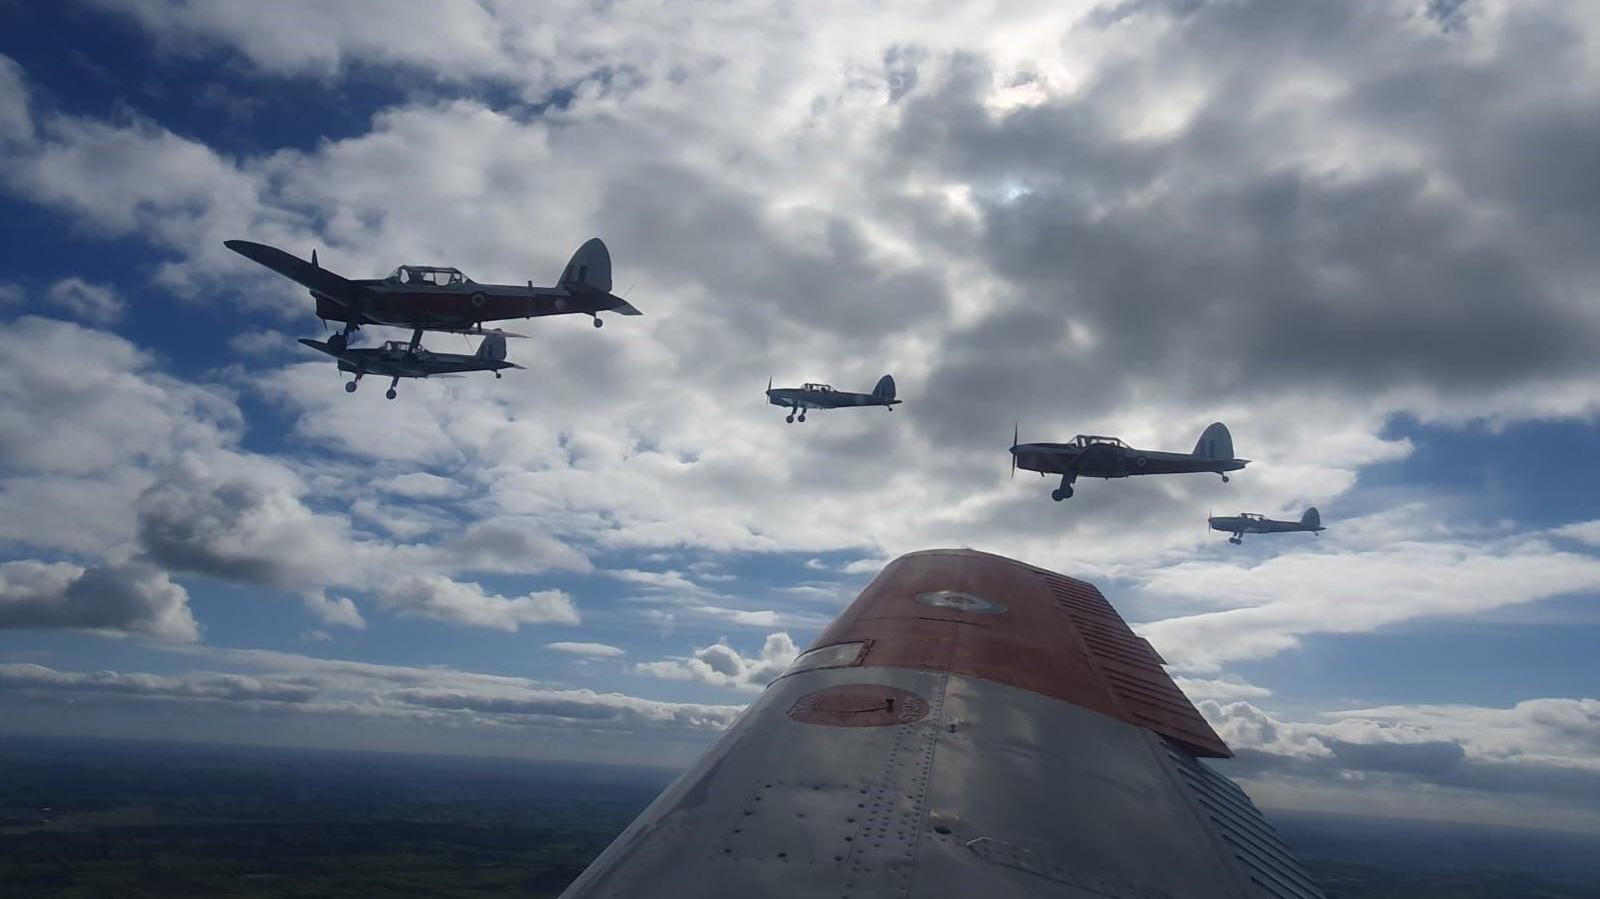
996,792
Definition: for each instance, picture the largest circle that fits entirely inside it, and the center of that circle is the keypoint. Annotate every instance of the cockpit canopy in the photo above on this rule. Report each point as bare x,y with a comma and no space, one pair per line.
428,274
820,388
1252,516
399,346
1085,440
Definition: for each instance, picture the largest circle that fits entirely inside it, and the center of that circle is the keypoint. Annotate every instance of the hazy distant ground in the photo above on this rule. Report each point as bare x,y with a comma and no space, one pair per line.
88,819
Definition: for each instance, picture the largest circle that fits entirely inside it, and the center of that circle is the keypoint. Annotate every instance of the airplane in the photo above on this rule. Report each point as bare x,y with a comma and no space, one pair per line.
969,726
432,298
1108,457
397,359
821,396
1251,523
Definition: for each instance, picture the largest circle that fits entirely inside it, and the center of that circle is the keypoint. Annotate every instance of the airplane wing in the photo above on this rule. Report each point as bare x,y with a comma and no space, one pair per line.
294,268
969,726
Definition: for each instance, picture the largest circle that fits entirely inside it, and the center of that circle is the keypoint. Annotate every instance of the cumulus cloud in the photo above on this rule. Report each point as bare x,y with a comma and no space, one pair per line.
120,599
723,666
436,596
94,303
599,650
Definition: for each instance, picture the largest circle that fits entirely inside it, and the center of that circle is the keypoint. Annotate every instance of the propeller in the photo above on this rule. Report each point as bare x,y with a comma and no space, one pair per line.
1016,431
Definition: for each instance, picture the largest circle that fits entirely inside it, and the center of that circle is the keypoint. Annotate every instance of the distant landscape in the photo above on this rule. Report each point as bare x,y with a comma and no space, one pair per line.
81,818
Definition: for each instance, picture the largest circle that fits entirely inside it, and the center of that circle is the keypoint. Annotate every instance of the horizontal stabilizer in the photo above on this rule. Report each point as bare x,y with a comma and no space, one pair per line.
310,276
623,307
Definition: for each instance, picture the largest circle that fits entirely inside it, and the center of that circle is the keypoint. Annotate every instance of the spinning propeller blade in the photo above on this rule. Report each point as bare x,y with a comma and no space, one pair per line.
1016,431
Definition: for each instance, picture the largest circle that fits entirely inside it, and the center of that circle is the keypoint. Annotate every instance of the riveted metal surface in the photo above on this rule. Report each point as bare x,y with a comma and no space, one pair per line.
996,790
859,705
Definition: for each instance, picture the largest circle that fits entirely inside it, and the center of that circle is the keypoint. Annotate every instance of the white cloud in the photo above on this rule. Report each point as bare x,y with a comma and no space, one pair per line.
94,303
436,596
601,650
203,685
1268,607
721,665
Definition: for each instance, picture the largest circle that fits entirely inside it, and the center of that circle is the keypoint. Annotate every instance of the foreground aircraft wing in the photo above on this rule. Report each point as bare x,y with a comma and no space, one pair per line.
969,726
311,277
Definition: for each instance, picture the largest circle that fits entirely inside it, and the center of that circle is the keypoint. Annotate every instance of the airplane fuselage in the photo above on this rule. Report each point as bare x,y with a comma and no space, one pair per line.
418,363
438,307
1243,524
1106,461
798,398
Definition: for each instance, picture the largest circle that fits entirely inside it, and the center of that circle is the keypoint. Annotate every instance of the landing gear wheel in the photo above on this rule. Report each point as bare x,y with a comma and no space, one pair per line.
349,387
1060,493
790,419
802,416
497,376
389,393
598,323
1224,479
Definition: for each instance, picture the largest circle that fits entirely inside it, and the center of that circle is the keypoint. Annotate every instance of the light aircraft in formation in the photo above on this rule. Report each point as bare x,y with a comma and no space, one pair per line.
820,396
1107,457
397,359
432,298
1252,523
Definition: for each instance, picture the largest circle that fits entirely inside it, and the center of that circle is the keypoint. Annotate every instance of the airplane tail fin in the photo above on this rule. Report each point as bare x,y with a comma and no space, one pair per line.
589,267
885,388
493,347
1312,519
1215,443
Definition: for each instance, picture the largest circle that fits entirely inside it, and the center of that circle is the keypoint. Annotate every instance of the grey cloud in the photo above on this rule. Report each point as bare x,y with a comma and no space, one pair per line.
117,598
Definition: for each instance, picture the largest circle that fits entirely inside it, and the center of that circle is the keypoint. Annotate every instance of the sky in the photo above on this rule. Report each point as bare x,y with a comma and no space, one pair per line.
1362,234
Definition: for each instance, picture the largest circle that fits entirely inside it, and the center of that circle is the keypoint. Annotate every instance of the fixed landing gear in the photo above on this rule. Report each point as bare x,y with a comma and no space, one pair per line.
790,419
497,376
802,417
1065,490
597,322
350,387
1224,479
392,384
1236,539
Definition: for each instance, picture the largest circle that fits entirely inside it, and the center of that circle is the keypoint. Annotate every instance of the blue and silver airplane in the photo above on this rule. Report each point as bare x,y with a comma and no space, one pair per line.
1252,523
1108,457
820,396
